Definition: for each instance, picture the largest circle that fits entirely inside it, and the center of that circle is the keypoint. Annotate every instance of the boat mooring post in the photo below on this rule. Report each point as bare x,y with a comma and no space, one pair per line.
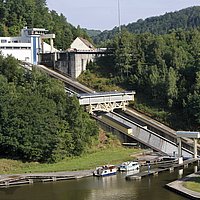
149,167
179,147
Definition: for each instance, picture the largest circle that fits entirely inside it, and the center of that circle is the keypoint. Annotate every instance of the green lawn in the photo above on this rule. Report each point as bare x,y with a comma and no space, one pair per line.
193,184
114,155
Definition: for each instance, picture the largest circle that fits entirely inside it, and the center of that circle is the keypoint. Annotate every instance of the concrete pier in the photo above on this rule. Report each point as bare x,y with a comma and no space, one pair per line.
11,180
156,171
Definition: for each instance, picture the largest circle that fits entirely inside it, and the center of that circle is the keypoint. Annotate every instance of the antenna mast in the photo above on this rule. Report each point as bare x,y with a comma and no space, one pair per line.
119,17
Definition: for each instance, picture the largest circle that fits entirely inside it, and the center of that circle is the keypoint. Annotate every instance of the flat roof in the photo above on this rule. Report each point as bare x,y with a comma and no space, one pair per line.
98,94
37,29
188,134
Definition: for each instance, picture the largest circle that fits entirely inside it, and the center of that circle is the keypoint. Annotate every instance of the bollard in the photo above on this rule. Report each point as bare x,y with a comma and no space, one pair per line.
149,168
171,169
185,166
30,181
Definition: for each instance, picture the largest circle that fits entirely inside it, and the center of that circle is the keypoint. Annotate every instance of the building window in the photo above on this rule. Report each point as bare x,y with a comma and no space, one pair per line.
82,65
30,32
3,41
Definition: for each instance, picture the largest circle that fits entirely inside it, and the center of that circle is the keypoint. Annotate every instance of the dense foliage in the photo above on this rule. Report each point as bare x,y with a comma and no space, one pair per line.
14,15
184,19
92,33
163,69
38,121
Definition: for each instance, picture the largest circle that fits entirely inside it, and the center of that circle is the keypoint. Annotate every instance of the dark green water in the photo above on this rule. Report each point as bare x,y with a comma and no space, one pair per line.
93,188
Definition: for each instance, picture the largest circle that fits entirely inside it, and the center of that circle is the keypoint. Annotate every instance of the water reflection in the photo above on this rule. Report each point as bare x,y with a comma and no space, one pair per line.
180,173
195,169
113,187
131,172
106,182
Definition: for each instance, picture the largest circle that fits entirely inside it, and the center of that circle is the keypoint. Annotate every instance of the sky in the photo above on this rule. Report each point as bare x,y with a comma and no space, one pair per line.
104,15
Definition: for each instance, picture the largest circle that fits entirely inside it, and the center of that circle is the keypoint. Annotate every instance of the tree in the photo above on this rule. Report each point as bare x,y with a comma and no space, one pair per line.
172,89
123,54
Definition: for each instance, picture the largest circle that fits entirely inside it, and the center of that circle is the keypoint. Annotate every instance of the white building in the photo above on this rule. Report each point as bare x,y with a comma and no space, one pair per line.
27,46
81,44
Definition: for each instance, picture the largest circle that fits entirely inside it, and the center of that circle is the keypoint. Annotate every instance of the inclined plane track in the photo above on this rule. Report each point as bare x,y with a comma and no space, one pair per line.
131,115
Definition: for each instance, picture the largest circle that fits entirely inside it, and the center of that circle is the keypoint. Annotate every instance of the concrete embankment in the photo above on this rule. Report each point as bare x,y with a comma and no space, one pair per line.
18,179
177,186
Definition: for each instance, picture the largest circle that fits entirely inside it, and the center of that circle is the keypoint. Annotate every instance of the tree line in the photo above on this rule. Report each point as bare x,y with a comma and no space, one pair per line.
38,121
185,19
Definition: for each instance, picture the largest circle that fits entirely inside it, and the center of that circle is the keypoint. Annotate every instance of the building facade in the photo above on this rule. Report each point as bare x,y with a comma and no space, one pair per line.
28,45
73,61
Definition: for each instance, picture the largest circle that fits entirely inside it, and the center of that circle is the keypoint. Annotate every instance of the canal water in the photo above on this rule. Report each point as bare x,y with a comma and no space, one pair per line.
94,188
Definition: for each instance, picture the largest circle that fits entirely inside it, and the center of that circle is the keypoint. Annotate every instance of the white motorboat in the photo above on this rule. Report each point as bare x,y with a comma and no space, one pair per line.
105,170
129,165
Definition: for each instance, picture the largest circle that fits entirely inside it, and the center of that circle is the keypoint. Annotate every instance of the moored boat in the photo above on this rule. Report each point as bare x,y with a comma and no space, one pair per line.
129,165
105,170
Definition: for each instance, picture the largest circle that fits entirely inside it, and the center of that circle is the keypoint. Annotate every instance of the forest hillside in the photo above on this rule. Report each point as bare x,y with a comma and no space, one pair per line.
184,19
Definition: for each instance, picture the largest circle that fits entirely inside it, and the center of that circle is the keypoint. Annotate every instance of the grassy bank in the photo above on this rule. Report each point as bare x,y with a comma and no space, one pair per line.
114,155
193,184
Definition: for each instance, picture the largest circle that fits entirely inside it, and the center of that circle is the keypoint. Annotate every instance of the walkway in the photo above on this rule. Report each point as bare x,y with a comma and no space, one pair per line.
106,101
17,179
